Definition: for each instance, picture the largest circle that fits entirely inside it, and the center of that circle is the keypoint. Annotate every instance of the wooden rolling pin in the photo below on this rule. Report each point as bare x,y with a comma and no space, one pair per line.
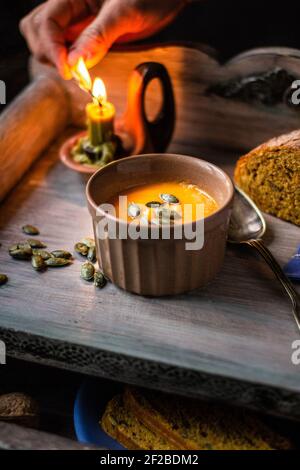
27,127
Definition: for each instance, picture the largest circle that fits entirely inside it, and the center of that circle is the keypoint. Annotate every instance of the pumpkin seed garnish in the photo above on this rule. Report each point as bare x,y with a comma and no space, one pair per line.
165,216
169,198
61,254
37,262
36,243
30,230
81,248
153,204
3,279
99,279
160,220
166,213
43,253
133,210
91,256
88,241
57,262
87,271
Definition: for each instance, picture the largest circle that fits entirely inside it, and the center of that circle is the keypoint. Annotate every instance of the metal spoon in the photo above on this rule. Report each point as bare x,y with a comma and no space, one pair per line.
247,226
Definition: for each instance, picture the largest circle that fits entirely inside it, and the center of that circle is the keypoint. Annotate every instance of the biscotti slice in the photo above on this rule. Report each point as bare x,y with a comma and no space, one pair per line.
270,175
190,424
123,426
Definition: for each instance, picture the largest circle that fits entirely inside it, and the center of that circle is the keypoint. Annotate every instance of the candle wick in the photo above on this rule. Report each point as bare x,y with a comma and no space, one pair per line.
77,79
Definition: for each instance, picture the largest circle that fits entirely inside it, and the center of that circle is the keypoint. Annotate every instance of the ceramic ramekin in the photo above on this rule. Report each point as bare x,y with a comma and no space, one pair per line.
157,267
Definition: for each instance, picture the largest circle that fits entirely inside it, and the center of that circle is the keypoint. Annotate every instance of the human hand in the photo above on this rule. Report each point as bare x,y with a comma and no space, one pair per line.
61,31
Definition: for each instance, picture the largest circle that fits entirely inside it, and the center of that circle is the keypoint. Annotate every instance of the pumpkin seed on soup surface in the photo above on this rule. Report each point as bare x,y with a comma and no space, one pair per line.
133,210
153,204
169,198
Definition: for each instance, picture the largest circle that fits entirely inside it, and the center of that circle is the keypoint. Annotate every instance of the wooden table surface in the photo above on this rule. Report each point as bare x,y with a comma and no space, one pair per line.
229,341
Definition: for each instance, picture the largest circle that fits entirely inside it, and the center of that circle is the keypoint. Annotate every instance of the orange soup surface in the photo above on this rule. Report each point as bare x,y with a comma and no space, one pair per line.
157,201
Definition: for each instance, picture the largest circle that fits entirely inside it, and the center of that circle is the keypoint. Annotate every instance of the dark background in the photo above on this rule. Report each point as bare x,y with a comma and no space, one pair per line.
230,26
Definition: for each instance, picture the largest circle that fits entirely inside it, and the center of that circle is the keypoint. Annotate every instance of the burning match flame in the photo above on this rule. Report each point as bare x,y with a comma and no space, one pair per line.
83,78
81,74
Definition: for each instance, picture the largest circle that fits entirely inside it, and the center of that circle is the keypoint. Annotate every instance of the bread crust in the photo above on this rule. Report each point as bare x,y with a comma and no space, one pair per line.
147,417
118,419
111,428
270,174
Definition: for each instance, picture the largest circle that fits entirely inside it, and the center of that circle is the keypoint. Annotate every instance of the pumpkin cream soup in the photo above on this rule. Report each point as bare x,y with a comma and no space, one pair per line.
162,203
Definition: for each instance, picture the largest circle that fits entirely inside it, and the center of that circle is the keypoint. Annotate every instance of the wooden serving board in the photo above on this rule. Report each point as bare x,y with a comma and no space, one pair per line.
230,341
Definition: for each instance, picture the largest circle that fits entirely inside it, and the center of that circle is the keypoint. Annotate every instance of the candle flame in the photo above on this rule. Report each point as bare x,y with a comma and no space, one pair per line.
82,75
99,90
83,78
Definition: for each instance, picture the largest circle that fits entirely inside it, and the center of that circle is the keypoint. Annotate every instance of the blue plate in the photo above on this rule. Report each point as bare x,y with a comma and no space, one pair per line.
89,406
292,268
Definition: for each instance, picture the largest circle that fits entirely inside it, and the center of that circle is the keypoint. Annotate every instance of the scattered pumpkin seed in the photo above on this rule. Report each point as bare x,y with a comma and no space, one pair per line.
153,204
30,230
43,253
87,271
3,279
91,256
36,243
99,279
81,248
13,247
169,198
19,246
61,254
88,241
21,253
133,210
37,262
57,262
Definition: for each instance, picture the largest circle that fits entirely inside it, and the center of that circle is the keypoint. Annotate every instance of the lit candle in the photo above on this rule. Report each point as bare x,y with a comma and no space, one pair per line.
100,145
100,116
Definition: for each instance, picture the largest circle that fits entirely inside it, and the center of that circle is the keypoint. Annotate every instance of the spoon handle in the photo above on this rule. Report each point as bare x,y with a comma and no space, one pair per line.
284,280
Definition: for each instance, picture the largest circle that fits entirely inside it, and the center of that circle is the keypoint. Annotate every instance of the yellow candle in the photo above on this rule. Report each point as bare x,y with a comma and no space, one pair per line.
100,122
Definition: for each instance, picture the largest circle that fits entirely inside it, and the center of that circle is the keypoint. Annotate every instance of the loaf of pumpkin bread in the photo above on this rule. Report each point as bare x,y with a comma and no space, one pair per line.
270,175
143,419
